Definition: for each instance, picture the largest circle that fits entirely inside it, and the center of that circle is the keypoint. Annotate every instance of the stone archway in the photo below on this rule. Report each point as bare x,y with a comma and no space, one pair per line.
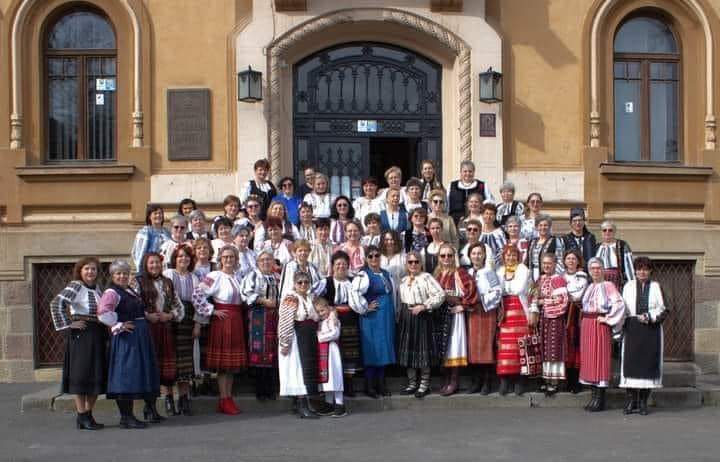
434,31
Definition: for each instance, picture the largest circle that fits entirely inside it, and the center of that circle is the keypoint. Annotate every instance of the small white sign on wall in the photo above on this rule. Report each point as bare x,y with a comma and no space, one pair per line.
99,99
629,107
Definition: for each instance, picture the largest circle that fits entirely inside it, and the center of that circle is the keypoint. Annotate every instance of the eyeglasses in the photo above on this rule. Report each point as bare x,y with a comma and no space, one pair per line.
413,262
446,255
302,283
608,230
373,255
473,230
178,227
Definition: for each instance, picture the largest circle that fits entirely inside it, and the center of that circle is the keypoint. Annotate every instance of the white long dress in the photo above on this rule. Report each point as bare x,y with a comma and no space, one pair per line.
329,331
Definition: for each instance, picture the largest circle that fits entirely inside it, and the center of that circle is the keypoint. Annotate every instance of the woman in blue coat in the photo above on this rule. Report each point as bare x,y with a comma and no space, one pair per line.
377,325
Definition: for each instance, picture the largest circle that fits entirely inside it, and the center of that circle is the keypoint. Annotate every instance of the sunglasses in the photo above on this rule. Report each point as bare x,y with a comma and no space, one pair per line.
373,255
302,283
252,206
446,255
438,201
473,230
413,262
178,227
608,230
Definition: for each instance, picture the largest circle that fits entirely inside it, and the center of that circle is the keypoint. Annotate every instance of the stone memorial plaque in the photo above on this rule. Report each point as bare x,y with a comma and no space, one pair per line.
487,125
188,113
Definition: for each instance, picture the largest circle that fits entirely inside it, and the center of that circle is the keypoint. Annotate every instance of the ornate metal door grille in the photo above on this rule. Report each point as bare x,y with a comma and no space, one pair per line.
48,280
676,279
396,88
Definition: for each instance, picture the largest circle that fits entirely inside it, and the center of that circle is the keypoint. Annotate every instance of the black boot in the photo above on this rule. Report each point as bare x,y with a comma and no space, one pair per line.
83,422
348,386
593,398
519,385
476,382
573,382
599,404
92,419
370,388
127,418
150,412
381,387
413,384
631,401
304,411
487,382
504,386
644,395
184,405
170,406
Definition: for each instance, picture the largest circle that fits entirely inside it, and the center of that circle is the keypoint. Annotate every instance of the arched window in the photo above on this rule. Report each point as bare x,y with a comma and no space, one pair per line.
81,85
647,91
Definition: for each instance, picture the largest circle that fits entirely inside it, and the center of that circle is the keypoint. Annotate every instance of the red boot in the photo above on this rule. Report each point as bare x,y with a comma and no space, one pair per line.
229,407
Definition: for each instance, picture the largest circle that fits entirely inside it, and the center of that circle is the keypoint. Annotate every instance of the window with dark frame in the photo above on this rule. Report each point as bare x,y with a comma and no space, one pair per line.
81,85
646,83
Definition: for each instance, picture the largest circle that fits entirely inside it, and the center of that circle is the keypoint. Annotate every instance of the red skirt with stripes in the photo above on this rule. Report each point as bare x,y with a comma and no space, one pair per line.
572,359
163,336
513,326
595,350
226,350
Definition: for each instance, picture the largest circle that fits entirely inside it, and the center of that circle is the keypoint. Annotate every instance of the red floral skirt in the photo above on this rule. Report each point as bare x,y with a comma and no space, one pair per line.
226,342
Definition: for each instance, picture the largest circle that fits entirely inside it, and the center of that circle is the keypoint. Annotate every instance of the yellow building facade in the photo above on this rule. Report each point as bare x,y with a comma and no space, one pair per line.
606,104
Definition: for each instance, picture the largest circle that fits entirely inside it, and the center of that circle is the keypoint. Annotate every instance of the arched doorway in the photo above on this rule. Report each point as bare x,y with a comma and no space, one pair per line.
360,107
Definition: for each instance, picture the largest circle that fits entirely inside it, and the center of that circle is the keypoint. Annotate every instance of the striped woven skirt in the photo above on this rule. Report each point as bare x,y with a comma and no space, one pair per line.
349,339
481,336
226,342
513,326
184,344
595,349
263,345
163,336
415,346
572,339
553,342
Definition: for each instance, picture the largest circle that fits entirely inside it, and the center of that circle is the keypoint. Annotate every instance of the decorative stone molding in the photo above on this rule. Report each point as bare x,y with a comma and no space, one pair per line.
16,45
290,5
598,19
446,6
435,31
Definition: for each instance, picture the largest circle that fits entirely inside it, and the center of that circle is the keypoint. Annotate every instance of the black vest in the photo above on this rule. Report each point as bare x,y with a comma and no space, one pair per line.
265,197
458,197
130,307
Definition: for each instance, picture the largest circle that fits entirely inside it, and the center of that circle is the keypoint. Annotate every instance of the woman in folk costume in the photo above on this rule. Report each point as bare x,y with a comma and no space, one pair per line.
544,243
642,346
151,236
342,214
616,256
260,292
552,300
322,248
420,294
74,312
393,260
377,324
180,272
226,349
133,372
348,304
281,248
461,297
482,321
298,344
577,281
319,198
353,247
515,318
492,235
163,310
603,314
512,228
436,201
369,202
300,262
394,217
429,180
331,377
178,228
432,252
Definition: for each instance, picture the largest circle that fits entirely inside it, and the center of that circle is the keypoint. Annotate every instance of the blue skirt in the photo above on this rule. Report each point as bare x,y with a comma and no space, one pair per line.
377,334
133,371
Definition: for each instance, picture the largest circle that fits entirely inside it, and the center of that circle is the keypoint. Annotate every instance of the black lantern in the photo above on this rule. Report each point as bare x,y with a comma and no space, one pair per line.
490,86
250,86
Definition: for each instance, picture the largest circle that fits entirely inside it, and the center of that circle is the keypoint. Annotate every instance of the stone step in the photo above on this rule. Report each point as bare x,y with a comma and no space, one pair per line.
679,397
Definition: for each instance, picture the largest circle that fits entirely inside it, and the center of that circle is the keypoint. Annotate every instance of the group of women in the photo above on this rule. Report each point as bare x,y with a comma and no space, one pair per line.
419,276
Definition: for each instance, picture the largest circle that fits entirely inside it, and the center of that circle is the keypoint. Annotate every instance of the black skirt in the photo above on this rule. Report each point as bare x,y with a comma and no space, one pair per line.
85,365
642,350
415,345
306,337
